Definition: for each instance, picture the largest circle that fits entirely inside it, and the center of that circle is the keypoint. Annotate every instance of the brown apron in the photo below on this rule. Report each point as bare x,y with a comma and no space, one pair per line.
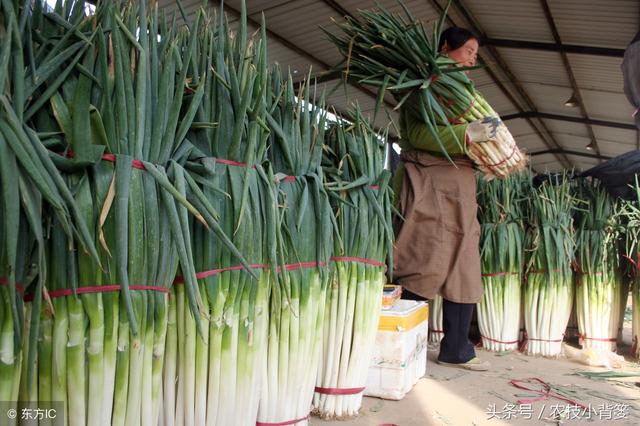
437,248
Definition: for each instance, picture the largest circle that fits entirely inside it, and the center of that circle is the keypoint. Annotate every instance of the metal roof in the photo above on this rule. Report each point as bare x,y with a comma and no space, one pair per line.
526,78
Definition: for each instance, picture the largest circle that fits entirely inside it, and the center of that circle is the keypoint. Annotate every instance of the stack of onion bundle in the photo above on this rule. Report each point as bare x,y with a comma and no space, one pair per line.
115,116
629,214
359,186
500,215
600,286
215,378
549,243
304,237
393,52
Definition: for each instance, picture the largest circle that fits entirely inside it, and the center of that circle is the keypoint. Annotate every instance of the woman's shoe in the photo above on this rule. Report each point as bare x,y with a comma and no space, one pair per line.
474,364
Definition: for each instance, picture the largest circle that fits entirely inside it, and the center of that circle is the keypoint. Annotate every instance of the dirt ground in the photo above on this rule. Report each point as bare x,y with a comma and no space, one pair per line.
451,396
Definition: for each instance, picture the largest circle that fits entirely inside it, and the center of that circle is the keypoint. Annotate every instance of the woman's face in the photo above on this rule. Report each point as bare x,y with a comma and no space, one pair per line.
465,55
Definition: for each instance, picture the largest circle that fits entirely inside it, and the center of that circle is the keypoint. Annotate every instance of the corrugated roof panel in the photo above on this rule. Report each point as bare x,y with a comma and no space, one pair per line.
616,135
536,66
420,9
611,23
614,149
599,73
521,20
608,106
572,142
551,99
530,142
481,78
583,163
498,101
567,127
545,162
519,126
256,7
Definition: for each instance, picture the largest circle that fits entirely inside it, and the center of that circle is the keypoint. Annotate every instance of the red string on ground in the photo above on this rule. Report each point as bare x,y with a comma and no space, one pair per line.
544,391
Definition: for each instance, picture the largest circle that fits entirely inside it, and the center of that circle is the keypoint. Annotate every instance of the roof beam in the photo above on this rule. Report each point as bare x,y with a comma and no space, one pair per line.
572,77
570,152
582,120
544,134
333,4
553,47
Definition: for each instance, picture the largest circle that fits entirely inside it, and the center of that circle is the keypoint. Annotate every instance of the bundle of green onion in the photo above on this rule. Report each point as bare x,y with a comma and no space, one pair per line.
600,286
359,186
304,243
215,377
393,52
115,117
629,216
501,214
550,247
30,184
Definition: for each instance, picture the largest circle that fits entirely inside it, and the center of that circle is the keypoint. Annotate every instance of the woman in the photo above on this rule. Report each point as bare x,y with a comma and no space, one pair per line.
437,243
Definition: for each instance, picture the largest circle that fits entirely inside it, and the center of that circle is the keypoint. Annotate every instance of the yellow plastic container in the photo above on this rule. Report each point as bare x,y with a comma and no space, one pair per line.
390,294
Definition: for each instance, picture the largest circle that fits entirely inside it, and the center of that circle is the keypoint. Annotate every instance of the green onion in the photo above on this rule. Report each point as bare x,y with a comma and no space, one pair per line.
549,246
354,164
501,249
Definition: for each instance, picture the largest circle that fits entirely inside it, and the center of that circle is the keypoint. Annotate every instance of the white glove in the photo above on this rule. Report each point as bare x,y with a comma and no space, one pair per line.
483,130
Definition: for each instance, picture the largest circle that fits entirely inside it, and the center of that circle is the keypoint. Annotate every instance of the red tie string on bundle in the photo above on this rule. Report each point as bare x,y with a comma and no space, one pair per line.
527,339
580,272
285,423
500,274
5,281
497,341
232,163
633,262
358,260
288,267
96,289
136,164
339,391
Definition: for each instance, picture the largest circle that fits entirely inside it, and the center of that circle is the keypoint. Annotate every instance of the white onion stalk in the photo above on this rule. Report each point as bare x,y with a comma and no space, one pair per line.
436,331
549,289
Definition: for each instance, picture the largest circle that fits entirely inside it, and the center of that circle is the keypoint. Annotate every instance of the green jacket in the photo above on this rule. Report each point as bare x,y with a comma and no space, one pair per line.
415,135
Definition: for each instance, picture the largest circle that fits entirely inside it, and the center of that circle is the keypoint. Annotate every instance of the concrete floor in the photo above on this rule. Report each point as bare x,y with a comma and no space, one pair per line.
450,396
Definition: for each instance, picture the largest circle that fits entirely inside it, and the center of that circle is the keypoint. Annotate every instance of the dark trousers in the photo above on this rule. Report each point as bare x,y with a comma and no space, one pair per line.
455,346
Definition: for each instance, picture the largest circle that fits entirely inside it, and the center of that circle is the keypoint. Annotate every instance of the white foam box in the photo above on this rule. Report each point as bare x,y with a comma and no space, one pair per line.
400,353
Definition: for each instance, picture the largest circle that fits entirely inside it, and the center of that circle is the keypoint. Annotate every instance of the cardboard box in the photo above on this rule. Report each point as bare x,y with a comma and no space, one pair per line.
400,353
